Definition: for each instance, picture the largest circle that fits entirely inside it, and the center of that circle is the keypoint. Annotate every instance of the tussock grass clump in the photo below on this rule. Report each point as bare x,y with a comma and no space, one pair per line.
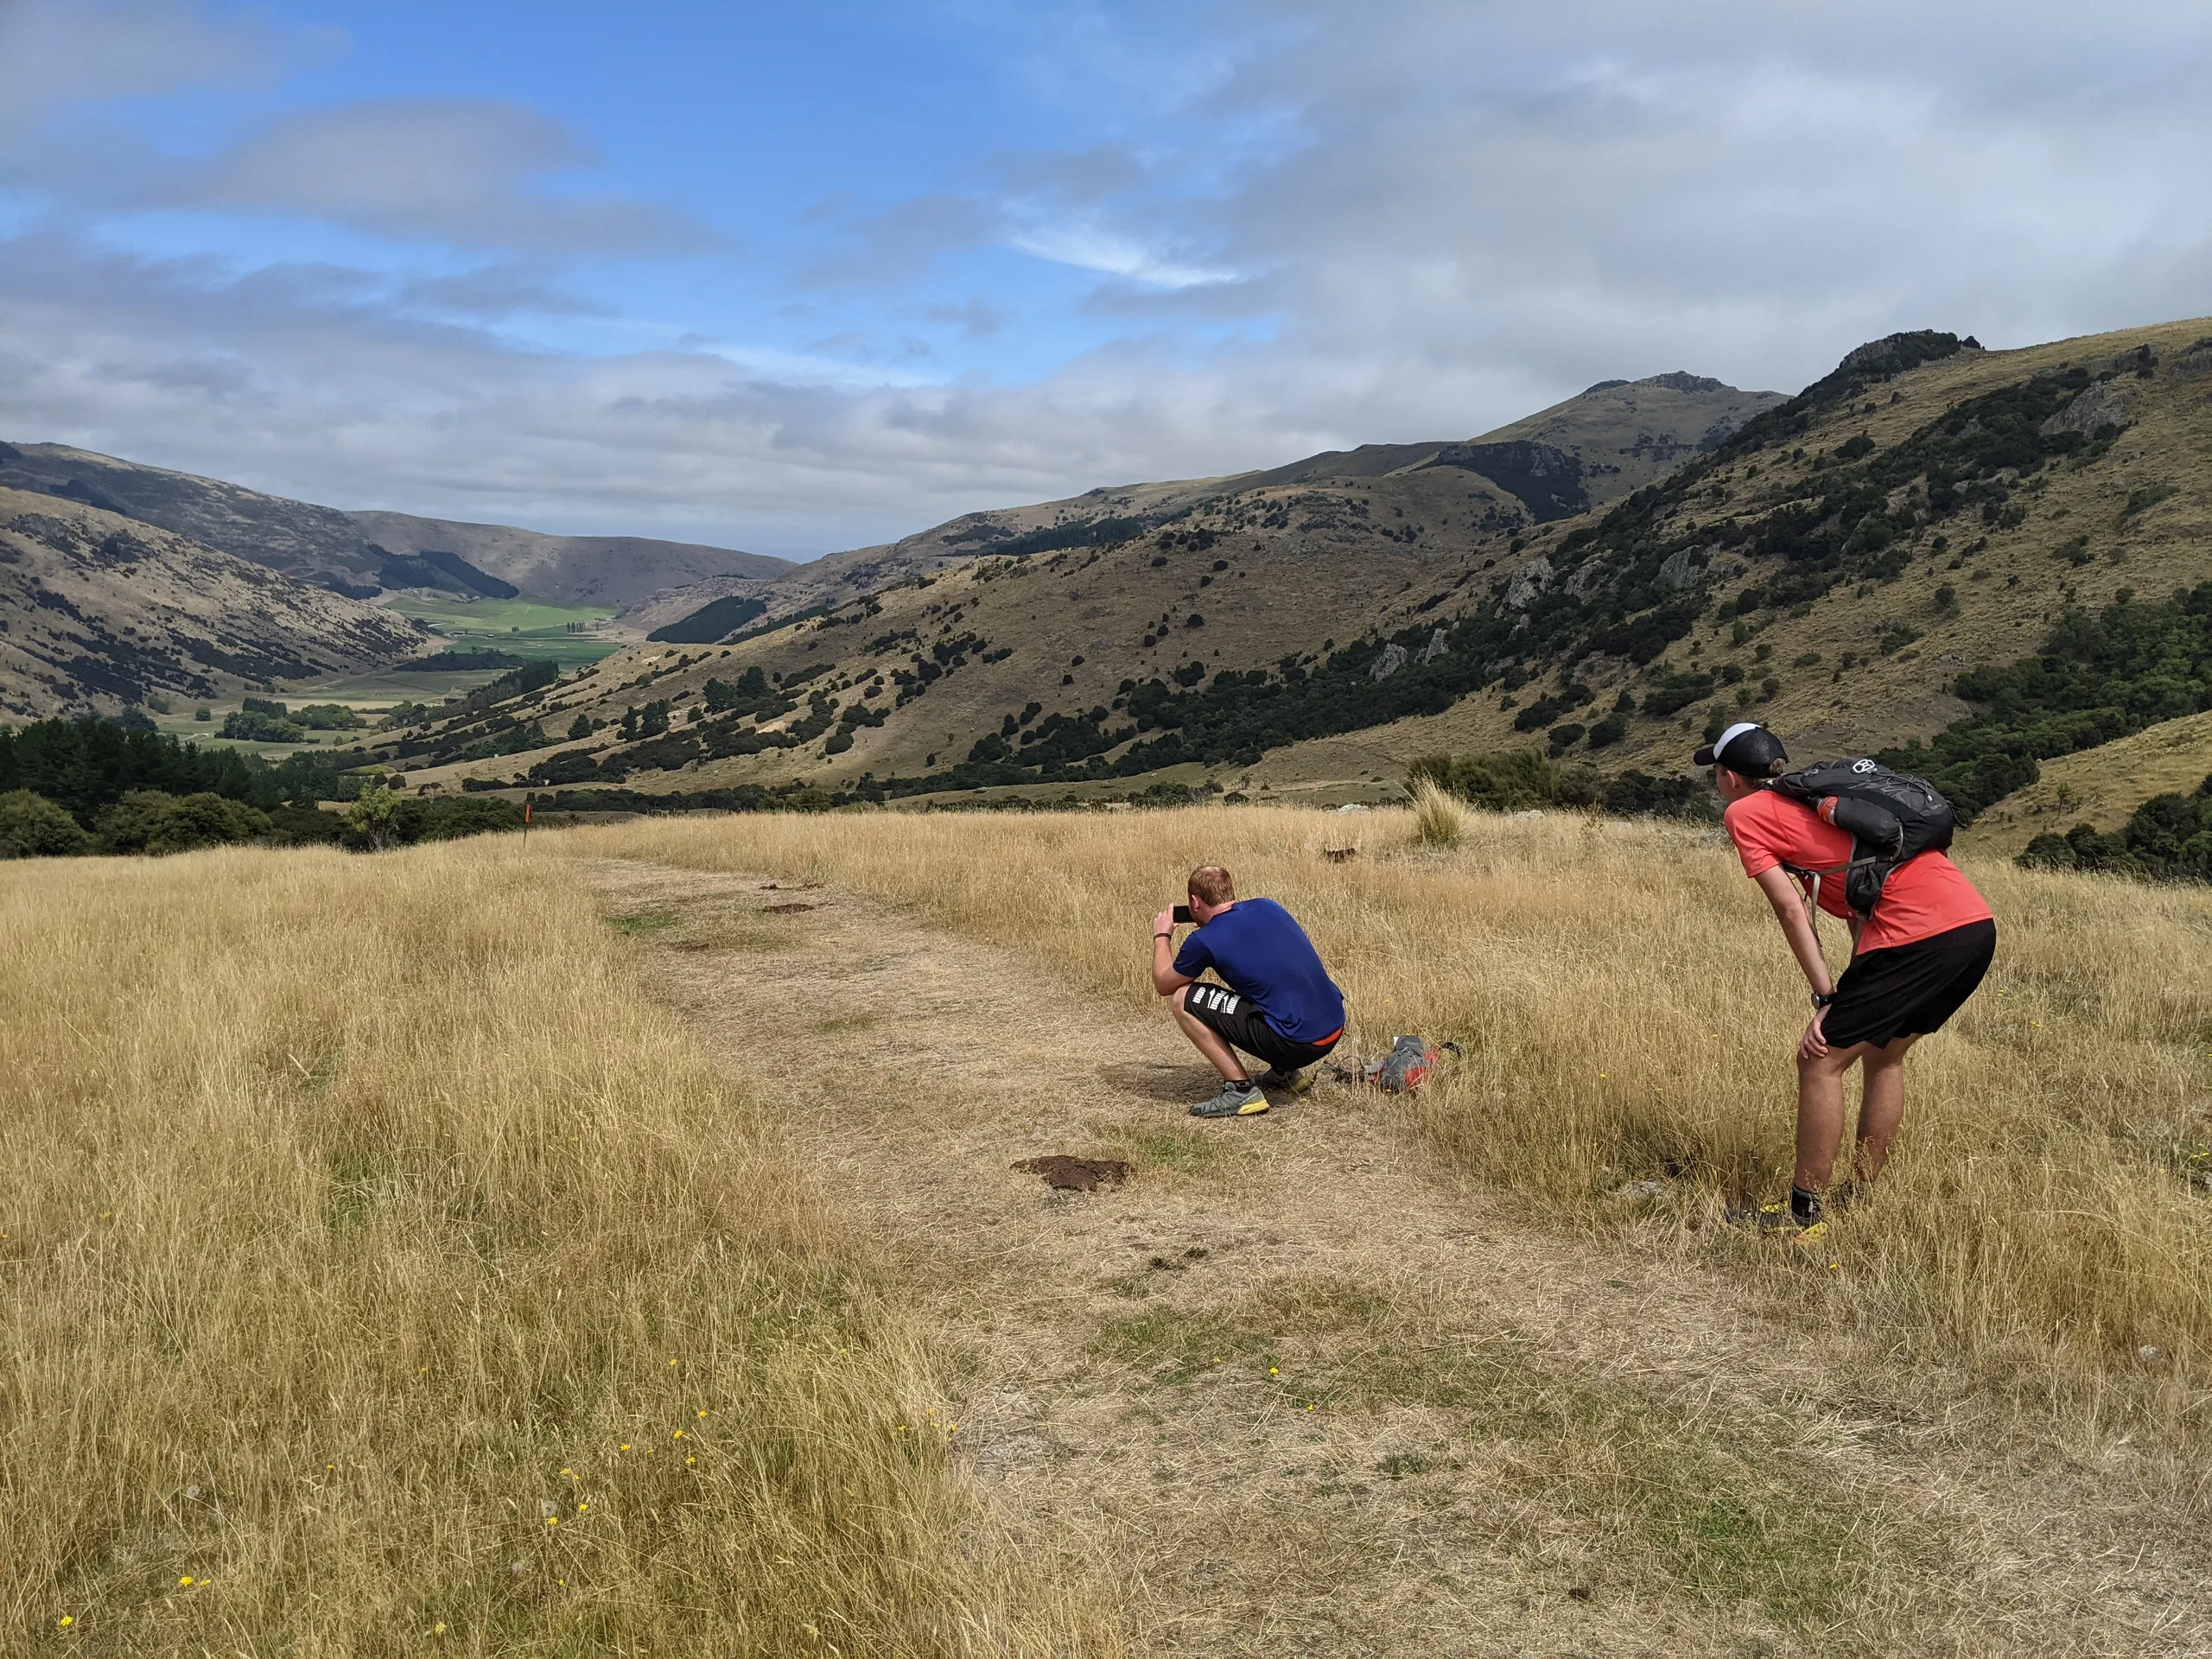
382,1269
1629,1012
1440,821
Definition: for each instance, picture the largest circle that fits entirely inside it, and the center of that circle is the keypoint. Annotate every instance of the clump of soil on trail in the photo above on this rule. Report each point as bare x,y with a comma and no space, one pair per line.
784,910
1067,1174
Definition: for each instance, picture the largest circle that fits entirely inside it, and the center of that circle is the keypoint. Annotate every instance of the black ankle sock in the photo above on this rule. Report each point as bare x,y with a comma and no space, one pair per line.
1804,1207
1240,1083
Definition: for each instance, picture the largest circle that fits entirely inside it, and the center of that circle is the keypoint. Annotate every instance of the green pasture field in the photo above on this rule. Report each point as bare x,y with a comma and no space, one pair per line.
387,686
528,627
189,732
181,724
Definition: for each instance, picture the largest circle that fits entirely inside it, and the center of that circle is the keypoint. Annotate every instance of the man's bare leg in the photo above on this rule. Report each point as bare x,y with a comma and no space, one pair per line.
1820,1110
1820,1115
1206,1040
1881,1108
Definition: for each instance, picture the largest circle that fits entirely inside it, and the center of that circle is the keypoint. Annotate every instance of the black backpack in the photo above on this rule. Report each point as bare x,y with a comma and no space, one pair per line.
1890,816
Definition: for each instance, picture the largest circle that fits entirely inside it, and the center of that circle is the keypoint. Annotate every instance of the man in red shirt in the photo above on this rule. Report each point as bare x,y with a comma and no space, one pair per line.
1914,962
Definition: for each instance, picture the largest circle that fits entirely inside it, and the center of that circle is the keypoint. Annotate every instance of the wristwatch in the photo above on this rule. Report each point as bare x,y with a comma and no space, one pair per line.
1822,999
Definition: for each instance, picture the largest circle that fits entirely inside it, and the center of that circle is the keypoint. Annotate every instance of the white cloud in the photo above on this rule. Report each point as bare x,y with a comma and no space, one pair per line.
1091,247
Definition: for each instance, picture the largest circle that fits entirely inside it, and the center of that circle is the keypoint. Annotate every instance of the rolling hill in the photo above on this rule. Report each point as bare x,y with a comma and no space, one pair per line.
2101,787
100,613
1844,563
1587,451
357,554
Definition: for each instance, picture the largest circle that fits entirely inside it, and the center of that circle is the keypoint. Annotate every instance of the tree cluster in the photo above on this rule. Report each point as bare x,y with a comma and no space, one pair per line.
2097,678
2168,838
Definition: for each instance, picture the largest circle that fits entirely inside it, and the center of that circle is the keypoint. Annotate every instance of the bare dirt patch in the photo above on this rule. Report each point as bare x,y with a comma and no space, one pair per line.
1296,1393
1068,1175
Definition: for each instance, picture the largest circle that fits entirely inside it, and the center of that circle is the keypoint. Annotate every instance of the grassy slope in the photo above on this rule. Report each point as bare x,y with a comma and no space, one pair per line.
1096,604
2102,787
1629,1010
2007,596
338,1266
101,611
1330,568
327,1272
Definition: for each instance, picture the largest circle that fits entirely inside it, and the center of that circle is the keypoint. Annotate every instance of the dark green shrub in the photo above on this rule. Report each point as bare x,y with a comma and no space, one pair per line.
32,827
1609,730
1509,780
257,725
2168,838
417,820
149,821
1672,691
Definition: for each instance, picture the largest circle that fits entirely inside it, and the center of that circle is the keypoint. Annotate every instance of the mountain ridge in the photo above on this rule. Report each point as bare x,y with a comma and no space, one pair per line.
1835,566
348,551
1631,439
100,613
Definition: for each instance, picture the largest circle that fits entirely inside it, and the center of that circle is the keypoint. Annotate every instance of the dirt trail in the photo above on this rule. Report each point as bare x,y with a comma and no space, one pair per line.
1295,1394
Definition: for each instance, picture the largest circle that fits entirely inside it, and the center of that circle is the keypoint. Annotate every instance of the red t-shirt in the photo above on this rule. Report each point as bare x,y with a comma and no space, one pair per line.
1924,896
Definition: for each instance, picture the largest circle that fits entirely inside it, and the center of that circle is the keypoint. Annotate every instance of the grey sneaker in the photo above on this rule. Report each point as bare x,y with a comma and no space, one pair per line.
1293,1082
1235,1100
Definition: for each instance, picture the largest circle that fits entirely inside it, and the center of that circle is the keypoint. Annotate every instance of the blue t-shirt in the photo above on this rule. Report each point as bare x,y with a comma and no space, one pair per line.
1262,953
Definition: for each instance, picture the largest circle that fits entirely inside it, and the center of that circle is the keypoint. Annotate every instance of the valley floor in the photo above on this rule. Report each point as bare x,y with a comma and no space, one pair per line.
1296,1389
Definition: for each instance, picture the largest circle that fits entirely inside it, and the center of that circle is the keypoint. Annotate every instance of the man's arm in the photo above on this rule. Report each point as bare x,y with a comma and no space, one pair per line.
1796,926
1804,944
1164,979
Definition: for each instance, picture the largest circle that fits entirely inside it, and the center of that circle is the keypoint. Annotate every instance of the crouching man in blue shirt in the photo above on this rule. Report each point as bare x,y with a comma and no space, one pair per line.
1274,1001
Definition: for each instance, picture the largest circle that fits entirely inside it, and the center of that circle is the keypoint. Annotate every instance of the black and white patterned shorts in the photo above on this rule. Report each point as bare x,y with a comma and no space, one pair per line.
1239,1020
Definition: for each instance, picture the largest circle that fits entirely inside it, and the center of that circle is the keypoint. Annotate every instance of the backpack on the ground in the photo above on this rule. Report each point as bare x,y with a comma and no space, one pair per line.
1892,818
1410,1063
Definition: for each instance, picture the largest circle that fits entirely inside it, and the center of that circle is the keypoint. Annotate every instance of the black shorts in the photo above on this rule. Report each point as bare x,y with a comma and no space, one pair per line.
1239,1021
1909,990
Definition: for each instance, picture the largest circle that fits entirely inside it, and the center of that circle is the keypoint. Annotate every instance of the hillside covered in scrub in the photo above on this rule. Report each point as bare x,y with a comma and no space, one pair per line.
100,613
1972,560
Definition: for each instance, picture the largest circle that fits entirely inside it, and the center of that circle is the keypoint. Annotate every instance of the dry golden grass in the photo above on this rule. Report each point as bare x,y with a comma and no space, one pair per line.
357,1207
383,1273
1439,819
2102,787
1630,1010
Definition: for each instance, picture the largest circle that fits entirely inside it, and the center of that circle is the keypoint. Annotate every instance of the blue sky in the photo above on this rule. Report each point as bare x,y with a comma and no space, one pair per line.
798,278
